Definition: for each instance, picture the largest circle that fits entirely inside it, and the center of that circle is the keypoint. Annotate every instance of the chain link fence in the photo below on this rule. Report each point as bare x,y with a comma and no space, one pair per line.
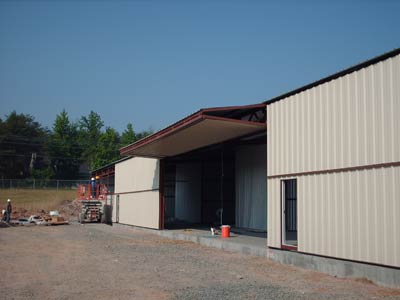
41,184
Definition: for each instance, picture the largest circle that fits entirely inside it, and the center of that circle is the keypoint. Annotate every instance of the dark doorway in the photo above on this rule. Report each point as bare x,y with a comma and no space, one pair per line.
289,212
199,188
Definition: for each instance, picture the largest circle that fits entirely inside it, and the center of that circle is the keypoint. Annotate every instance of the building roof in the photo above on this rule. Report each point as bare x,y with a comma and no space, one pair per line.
205,127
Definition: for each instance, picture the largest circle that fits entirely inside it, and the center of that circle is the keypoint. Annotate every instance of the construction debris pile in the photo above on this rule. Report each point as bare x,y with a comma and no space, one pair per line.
51,218
70,208
23,217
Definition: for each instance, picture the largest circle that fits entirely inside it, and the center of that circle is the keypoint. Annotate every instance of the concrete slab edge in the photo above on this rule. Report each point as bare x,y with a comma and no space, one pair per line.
217,243
380,275
385,276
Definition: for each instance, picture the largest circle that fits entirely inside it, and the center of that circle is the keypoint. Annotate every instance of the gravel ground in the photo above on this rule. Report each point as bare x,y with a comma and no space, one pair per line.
96,261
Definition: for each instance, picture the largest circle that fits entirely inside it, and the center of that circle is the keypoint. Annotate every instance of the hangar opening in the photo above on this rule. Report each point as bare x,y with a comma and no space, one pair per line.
221,184
212,168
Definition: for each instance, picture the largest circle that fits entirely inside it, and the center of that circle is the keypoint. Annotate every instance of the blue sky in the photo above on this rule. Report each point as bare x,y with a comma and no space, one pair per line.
153,62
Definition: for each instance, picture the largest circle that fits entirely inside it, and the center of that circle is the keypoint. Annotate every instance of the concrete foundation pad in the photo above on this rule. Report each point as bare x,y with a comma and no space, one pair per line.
230,244
384,276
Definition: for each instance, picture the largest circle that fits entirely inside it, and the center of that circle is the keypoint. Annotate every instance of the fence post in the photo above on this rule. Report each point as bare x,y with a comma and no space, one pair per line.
34,184
57,185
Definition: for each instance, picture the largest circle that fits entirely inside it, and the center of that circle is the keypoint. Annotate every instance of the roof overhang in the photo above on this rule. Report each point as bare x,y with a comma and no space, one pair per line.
204,128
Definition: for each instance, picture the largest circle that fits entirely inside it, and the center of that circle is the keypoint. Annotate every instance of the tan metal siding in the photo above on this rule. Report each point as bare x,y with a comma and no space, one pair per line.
137,174
349,121
138,181
351,215
274,213
140,209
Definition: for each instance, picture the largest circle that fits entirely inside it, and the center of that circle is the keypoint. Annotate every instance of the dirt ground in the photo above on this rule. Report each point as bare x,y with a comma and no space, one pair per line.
96,261
26,202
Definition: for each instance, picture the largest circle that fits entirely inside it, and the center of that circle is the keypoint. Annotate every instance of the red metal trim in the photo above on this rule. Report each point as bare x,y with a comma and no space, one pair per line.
327,171
287,247
162,200
149,155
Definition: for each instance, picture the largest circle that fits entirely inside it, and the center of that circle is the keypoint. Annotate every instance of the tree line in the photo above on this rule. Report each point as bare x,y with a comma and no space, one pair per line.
29,150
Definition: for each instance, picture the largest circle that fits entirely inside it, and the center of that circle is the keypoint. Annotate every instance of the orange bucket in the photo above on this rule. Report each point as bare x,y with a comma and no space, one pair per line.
225,231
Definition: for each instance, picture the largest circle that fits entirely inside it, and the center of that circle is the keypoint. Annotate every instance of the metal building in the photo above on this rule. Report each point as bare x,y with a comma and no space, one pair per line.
206,169
318,168
137,197
334,165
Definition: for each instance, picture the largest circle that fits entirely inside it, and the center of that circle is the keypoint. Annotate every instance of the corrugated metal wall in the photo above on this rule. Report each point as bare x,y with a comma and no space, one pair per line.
351,121
138,180
348,122
274,212
352,215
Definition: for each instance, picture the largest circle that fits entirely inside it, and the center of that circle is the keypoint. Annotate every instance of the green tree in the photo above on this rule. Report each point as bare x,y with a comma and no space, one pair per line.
65,150
128,136
108,148
22,146
143,134
89,135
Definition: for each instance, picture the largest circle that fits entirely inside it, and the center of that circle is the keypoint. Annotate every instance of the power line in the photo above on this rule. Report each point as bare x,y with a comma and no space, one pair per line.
39,144
42,156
